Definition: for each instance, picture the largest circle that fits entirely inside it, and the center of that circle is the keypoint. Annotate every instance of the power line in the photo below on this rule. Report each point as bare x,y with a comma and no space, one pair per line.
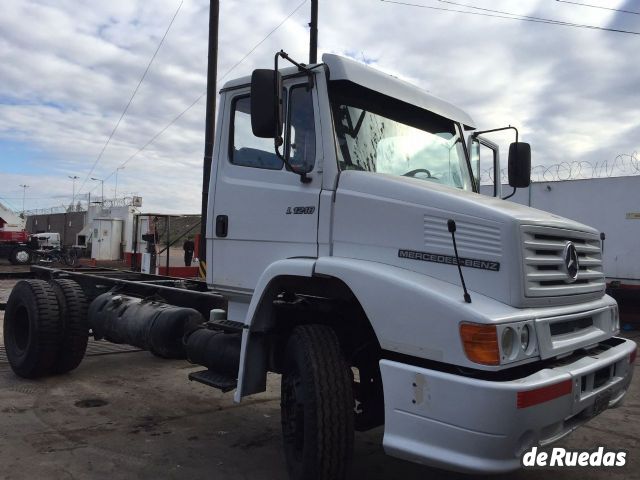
181,114
153,139
135,91
508,16
518,16
263,40
166,127
598,6
540,19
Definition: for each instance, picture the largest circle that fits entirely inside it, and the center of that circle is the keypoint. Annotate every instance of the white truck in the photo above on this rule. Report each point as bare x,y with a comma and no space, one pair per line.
349,251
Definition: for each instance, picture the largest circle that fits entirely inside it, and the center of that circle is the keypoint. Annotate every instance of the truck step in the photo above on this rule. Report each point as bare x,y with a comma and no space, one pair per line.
228,326
214,379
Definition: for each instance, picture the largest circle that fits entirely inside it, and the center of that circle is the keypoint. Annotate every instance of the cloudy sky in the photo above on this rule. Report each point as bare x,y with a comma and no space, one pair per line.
69,67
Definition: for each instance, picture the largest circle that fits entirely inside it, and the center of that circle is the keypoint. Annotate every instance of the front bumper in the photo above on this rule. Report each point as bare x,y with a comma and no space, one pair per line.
469,425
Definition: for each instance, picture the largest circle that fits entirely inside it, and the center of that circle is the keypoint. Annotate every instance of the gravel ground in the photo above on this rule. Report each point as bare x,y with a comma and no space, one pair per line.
131,415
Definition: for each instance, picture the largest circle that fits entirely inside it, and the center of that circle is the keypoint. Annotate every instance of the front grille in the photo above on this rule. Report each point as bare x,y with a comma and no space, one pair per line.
544,268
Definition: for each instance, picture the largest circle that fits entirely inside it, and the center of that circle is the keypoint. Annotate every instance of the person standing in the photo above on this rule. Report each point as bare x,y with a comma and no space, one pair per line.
188,248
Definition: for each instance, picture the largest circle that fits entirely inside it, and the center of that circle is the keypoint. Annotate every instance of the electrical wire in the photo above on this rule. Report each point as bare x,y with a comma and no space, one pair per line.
540,19
181,114
508,16
135,91
598,6
166,127
263,40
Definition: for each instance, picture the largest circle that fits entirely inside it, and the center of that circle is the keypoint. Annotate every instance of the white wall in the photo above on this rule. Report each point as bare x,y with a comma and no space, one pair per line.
118,213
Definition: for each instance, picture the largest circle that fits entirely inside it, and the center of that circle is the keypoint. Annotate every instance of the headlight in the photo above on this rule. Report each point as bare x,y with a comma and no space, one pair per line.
491,344
508,342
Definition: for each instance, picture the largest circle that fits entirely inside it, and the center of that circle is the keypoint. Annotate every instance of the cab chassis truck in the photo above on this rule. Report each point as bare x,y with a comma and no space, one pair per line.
350,251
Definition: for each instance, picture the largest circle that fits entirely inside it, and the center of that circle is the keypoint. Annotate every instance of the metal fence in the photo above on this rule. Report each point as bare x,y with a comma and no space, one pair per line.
620,166
132,201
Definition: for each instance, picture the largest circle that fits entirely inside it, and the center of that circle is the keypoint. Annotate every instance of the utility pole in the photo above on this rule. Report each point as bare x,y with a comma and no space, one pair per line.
73,199
313,34
102,185
24,192
212,73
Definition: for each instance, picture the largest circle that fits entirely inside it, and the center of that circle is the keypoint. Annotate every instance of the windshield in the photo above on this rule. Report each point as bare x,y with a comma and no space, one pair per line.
376,133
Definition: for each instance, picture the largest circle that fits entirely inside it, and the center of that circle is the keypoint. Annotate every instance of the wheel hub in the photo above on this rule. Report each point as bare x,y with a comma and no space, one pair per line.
22,256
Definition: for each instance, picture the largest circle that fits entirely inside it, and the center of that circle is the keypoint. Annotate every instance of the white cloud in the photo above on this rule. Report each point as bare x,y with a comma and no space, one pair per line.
68,68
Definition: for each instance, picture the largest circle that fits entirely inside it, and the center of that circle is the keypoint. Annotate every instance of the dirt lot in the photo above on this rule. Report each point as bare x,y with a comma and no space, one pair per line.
131,415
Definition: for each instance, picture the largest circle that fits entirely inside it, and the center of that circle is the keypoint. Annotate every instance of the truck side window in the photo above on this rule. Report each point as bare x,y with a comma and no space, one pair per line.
248,150
301,130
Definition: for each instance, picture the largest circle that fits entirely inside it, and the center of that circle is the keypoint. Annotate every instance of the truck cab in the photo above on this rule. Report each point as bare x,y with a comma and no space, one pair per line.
348,226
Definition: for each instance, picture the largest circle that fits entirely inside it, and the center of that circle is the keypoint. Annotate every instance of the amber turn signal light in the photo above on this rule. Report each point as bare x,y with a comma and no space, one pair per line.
480,343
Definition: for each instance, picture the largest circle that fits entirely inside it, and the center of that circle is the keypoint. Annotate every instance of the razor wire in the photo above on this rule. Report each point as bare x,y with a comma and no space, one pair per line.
622,165
127,201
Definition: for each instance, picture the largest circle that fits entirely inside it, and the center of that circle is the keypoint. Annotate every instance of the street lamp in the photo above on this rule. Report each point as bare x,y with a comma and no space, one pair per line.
115,191
73,199
102,184
24,191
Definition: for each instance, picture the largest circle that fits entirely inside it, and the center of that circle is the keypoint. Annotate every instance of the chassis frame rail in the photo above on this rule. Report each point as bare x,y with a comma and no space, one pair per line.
174,291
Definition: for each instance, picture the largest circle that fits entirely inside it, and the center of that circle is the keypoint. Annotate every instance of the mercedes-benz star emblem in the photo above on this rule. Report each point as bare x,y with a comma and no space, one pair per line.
571,262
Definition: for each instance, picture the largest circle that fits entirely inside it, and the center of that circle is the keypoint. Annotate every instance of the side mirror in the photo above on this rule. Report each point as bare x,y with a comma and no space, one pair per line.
519,165
266,103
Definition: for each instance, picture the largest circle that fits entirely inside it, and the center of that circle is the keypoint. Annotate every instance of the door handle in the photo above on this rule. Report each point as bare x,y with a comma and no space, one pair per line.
222,225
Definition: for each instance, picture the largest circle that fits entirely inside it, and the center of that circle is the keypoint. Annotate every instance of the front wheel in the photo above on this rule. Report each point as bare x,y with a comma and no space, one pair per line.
316,406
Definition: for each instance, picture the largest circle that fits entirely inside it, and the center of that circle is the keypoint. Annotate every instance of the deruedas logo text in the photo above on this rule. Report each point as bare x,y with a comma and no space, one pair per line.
561,457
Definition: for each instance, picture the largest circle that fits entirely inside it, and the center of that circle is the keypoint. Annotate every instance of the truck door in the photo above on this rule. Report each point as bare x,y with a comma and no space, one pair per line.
262,212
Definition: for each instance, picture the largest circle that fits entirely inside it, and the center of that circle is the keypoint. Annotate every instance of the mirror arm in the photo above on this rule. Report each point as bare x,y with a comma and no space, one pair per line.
301,66
475,134
279,141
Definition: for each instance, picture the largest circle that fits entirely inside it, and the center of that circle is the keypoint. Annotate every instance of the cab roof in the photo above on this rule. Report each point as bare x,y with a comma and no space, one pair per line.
341,68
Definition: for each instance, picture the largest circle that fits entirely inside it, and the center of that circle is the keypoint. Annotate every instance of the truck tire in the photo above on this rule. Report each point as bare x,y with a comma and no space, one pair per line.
75,325
20,256
317,406
32,328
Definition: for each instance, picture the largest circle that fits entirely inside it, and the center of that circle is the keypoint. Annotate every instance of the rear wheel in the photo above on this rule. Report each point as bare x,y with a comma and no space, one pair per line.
32,328
75,327
316,406
20,256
